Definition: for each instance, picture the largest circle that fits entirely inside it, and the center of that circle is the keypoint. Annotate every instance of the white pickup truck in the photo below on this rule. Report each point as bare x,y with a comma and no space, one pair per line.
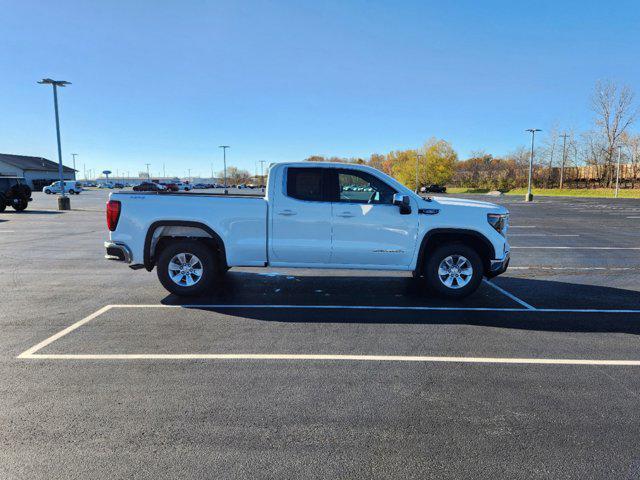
313,215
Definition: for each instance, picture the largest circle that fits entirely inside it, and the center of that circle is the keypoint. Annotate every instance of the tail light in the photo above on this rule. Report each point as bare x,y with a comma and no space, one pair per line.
113,214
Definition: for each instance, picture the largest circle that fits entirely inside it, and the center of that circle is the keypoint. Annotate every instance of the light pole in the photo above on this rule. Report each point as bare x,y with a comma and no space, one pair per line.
64,203
74,155
262,173
148,174
418,157
189,176
224,159
529,196
618,172
564,158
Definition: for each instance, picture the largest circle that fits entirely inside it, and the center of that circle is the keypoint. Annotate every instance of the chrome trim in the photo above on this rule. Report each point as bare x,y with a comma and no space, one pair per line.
126,253
500,264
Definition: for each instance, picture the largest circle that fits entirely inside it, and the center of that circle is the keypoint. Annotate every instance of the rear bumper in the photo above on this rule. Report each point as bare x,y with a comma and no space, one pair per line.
498,266
117,251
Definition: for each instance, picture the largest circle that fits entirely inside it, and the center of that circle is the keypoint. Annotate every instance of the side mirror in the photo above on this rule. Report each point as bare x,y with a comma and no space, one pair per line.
403,202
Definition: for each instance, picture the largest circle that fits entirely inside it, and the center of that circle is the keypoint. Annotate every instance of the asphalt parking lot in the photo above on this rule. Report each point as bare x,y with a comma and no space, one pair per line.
317,374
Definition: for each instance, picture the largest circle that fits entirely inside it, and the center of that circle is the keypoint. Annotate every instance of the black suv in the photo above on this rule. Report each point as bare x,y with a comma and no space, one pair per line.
14,192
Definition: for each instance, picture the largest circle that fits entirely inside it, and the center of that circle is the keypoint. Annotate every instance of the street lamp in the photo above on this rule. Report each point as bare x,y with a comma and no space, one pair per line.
224,159
262,173
74,155
618,172
64,203
529,196
148,174
418,157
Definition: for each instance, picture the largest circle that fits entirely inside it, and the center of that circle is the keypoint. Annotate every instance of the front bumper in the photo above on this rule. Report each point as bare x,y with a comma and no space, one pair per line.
498,266
118,252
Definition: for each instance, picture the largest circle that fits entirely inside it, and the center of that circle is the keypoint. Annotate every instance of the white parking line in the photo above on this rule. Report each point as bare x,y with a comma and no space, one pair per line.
31,352
613,269
64,332
543,235
510,295
579,248
323,357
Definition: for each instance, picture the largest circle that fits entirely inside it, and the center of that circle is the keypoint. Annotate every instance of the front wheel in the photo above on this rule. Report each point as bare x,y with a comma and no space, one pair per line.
187,267
454,271
47,191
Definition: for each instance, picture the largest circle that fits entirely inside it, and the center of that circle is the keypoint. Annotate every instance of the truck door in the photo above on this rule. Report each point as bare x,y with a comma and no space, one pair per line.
367,228
301,218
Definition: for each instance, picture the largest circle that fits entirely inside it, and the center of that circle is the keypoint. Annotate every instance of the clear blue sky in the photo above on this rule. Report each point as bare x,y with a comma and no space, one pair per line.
169,81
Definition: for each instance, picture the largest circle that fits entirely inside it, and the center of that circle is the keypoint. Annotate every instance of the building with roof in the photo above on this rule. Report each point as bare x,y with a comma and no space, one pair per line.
37,171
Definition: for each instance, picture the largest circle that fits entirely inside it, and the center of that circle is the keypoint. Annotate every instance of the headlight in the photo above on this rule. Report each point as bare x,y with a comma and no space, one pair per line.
499,221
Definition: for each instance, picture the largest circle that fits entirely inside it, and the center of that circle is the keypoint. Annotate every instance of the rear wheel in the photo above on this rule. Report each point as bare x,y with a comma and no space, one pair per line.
187,267
454,271
47,191
20,204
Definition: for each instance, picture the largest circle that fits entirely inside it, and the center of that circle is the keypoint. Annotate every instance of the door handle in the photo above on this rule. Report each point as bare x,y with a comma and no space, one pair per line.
345,215
287,213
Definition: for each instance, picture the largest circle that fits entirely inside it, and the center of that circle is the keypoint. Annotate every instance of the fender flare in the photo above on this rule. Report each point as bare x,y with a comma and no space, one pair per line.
149,261
451,231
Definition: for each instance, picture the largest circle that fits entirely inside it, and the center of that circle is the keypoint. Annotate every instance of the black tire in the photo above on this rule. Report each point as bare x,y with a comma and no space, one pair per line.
20,205
455,250
47,191
3,203
72,191
207,258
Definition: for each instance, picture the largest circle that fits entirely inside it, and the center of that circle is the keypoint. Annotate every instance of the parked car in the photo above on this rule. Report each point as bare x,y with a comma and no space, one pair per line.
312,223
14,192
184,186
149,187
105,185
199,186
171,187
118,185
434,189
70,187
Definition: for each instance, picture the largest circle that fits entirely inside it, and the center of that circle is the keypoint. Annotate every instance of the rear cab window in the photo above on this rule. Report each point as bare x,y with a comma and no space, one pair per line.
305,183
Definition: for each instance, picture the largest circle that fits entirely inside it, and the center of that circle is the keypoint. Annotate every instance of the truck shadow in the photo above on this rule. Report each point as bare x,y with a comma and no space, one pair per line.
290,293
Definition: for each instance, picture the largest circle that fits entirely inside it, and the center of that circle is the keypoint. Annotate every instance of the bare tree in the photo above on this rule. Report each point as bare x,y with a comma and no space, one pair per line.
615,112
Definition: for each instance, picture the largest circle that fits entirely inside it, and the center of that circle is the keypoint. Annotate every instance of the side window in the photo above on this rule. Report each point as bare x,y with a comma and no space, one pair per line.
305,183
360,187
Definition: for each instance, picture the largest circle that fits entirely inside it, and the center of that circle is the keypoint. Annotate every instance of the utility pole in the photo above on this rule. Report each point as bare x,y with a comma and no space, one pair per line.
64,202
618,172
529,196
212,177
418,157
164,172
84,170
224,159
564,158
189,176
148,174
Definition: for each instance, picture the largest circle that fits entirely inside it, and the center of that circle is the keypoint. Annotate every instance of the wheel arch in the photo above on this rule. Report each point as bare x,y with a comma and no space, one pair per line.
441,236
174,229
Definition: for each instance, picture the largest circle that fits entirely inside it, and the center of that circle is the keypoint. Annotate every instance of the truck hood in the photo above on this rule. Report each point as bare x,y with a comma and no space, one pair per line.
463,202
